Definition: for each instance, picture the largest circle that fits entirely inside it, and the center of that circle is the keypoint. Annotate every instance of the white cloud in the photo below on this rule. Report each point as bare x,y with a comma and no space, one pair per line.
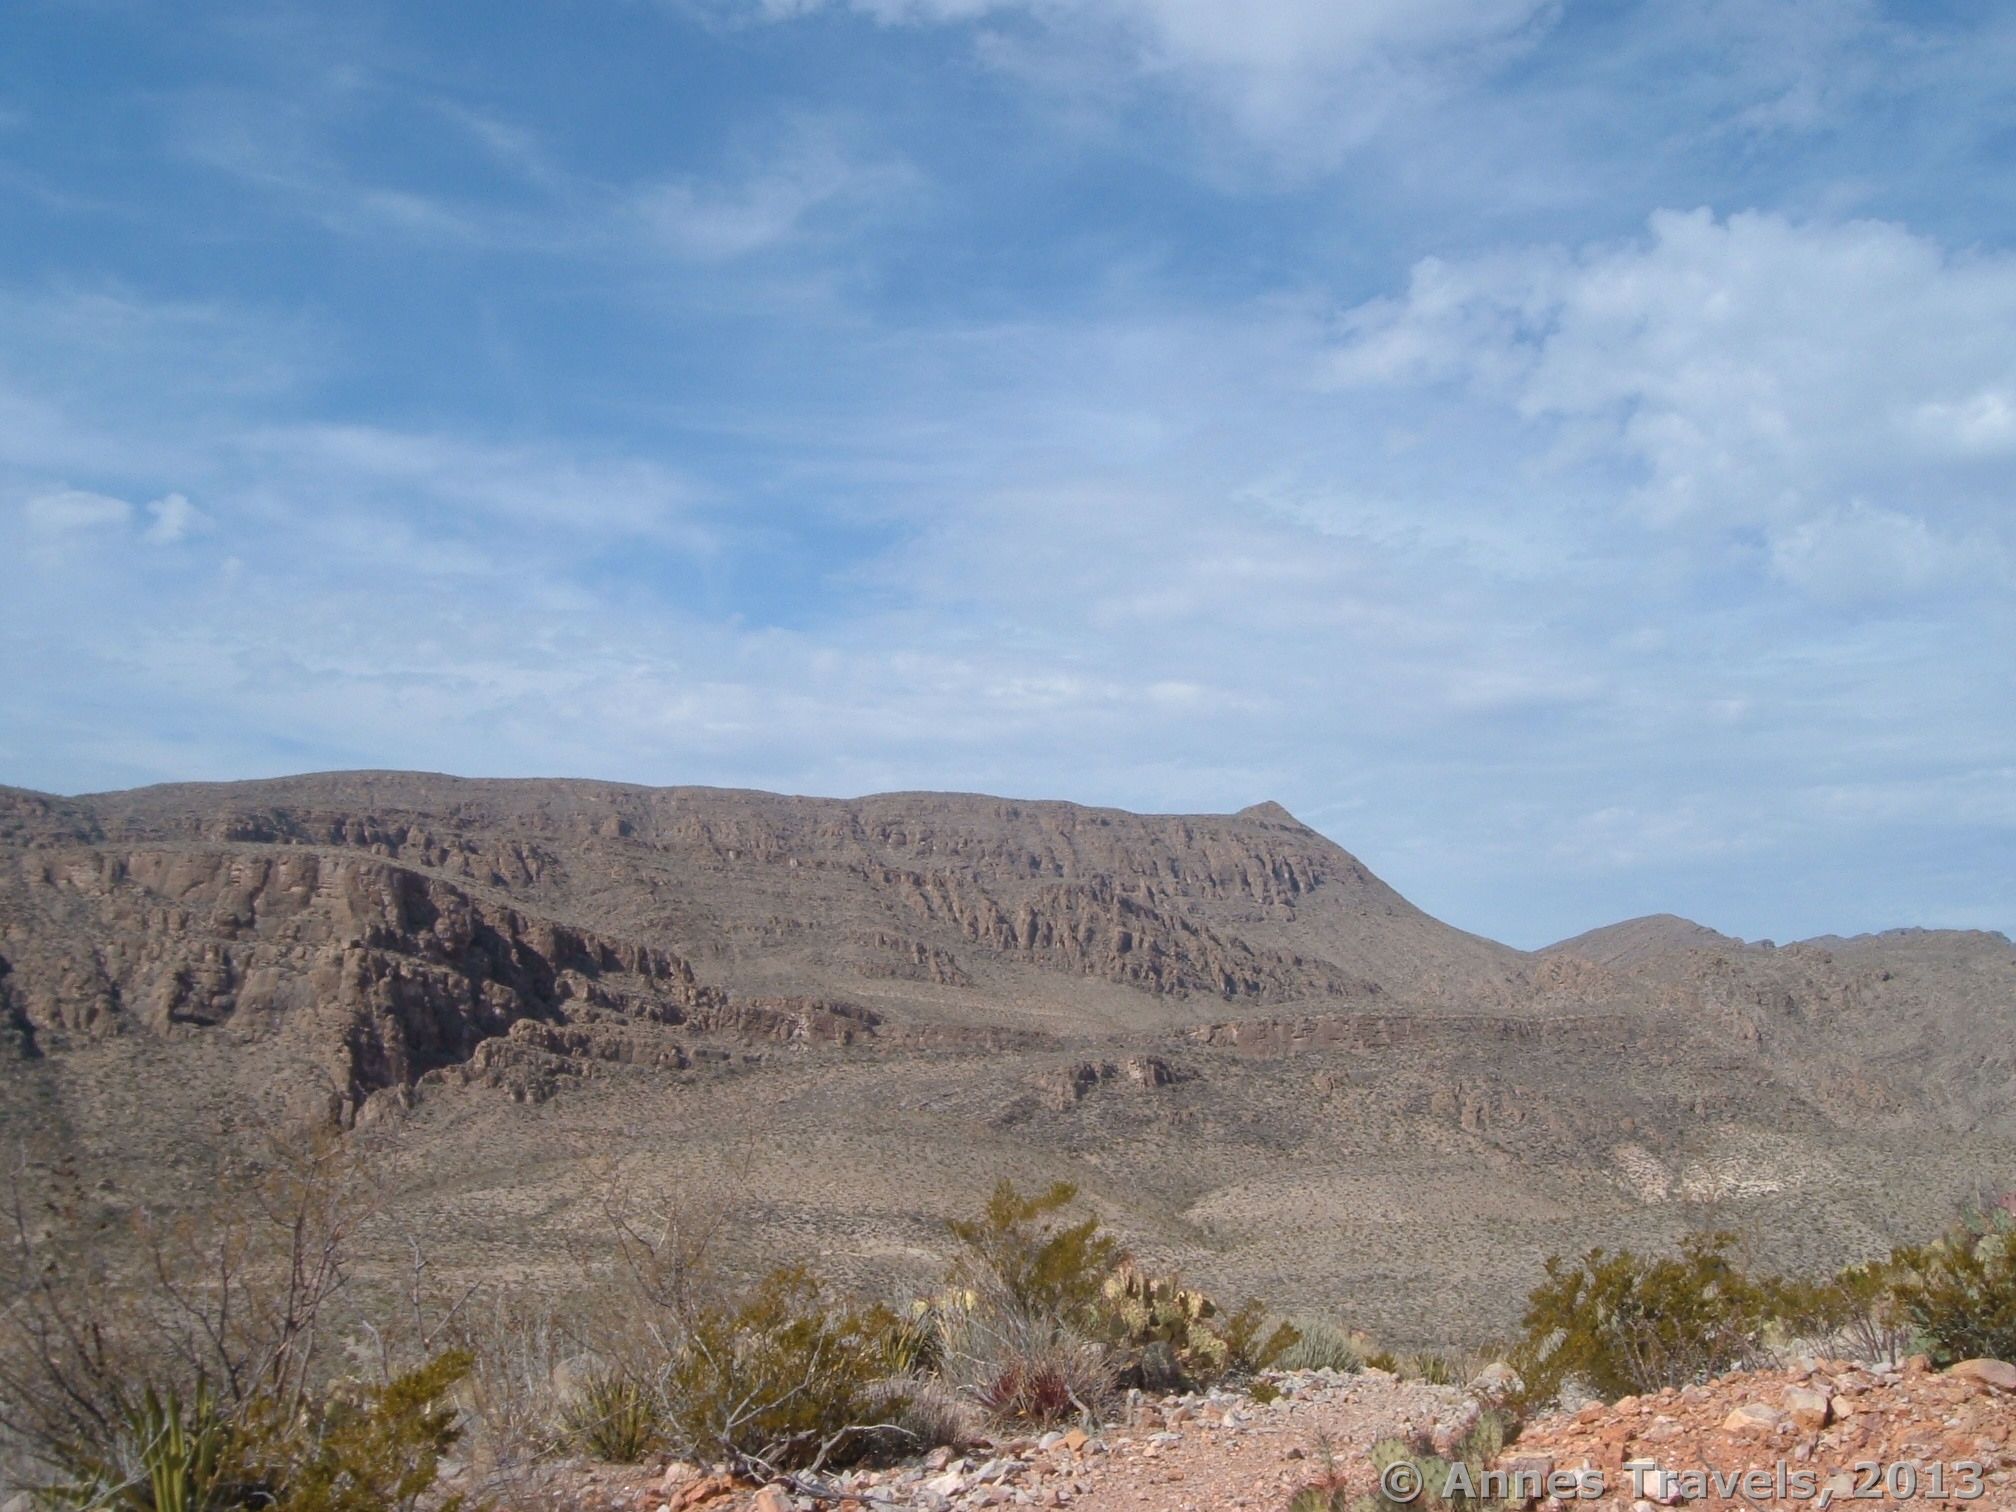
1748,373
1862,555
1981,424
452,482
1147,542
175,520
74,511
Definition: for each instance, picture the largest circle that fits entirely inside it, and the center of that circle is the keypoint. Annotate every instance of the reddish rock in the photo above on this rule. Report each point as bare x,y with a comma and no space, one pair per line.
1999,1375
1752,1417
1808,1409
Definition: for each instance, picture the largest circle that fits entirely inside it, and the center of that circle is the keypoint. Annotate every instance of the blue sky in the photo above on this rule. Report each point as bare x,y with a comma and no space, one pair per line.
1562,450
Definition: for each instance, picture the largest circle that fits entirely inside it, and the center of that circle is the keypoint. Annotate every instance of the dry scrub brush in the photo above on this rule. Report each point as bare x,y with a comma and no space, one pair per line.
204,1376
192,1377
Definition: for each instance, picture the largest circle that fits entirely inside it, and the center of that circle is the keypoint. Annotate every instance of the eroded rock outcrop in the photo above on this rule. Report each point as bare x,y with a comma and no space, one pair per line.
1124,933
384,973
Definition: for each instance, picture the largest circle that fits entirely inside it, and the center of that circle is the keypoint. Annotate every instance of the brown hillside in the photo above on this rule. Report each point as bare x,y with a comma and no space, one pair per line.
850,1016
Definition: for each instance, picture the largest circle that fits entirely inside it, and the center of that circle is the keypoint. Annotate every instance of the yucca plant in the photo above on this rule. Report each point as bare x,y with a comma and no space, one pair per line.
168,1457
182,1453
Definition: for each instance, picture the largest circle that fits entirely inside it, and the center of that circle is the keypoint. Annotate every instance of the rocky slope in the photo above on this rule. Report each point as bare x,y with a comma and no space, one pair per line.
850,1017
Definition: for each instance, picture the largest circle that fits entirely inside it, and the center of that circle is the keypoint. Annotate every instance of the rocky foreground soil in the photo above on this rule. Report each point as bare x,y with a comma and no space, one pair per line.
1868,1436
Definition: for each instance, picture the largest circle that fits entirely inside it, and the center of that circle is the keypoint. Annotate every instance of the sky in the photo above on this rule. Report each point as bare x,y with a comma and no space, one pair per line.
1564,450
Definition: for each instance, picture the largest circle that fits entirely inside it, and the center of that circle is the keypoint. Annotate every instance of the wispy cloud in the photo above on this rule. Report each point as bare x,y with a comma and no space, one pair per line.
1303,77
800,177
809,179
73,511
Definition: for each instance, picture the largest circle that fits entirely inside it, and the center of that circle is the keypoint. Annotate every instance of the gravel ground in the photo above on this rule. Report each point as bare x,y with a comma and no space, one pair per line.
1224,1451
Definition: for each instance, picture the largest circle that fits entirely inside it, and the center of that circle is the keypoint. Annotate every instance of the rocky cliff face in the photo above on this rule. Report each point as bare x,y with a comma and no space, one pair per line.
384,973
426,915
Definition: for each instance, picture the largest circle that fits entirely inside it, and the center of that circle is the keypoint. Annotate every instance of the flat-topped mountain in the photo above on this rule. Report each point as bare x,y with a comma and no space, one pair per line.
853,1014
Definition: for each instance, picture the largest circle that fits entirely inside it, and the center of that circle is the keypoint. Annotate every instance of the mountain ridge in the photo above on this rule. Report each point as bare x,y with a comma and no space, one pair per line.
1227,1028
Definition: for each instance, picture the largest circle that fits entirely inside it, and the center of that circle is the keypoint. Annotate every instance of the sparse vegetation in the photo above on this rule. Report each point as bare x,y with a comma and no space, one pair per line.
193,1383
1019,1256
1619,1323
1455,1481
1171,1337
1957,1295
1430,1367
785,1378
198,1381
613,1417
1321,1345
1019,1369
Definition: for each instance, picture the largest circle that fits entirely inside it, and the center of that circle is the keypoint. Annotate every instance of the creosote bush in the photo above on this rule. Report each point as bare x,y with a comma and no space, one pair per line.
786,1378
1616,1324
365,1450
1619,1324
1022,1258
1957,1294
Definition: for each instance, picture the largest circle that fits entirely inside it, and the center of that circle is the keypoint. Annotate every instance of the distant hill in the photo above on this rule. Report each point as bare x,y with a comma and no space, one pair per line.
848,1017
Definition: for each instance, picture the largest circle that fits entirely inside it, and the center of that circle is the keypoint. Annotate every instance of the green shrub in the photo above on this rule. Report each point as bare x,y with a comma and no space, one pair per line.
1250,1345
1618,1324
1958,1294
378,1449
1856,1308
1017,1254
785,1379
614,1418
368,1450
